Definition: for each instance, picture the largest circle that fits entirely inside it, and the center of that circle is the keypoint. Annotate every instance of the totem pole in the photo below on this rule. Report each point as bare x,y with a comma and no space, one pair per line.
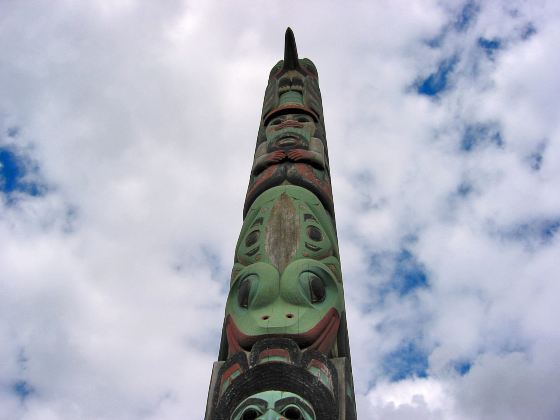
284,352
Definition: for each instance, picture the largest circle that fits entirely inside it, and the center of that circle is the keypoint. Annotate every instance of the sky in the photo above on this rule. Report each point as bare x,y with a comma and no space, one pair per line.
127,130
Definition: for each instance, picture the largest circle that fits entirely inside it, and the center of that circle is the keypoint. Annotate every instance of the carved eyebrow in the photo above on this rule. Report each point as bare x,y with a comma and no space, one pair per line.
262,404
280,404
308,216
256,401
318,271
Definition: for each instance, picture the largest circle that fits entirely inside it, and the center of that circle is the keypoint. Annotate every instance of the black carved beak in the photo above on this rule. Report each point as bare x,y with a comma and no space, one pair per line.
291,61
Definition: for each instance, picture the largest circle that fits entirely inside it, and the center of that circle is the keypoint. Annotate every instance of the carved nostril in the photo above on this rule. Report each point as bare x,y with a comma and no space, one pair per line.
289,315
265,317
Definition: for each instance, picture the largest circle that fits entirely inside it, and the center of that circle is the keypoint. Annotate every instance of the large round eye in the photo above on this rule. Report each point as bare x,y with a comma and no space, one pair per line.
317,289
250,414
243,293
314,233
252,238
292,413
314,286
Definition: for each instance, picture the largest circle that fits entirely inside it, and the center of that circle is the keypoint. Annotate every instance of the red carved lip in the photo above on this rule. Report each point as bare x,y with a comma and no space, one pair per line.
321,337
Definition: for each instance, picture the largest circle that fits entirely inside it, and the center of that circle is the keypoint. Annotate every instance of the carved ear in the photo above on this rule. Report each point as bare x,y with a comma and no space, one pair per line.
291,61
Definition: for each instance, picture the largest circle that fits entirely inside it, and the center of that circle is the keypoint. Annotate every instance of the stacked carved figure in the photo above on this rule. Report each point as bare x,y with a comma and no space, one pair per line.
284,352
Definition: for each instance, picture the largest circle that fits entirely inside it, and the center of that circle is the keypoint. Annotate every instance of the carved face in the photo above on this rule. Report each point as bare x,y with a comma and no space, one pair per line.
303,81
274,405
286,280
290,131
303,303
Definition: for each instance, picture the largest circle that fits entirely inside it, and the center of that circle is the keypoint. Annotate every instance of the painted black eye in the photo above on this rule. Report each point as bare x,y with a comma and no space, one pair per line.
317,289
303,119
250,414
276,121
314,233
292,413
252,238
243,293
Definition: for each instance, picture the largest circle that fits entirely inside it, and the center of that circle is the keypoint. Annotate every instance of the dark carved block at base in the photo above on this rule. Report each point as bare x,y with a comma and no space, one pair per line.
346,402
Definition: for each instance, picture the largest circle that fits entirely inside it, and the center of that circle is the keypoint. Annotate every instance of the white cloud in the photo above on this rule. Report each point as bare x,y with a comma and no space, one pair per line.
416,397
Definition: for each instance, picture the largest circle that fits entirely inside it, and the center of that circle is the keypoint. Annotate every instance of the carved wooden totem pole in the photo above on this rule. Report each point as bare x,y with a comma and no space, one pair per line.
284,352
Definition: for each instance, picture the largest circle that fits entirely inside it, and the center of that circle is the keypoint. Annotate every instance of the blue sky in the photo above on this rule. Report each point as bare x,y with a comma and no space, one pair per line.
127,130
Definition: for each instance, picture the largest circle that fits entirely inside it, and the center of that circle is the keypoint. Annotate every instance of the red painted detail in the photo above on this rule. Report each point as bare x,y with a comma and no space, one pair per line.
228,376
234,368
274,353
327,336
321,337
305,172
296,155
262,178
321,366
233,342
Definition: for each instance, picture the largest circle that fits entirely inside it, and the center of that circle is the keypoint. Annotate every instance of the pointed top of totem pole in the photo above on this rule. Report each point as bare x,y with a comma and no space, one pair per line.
290,51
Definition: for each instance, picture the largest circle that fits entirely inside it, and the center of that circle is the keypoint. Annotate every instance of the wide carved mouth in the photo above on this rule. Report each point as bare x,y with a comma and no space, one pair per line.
287,142
289,138
321,337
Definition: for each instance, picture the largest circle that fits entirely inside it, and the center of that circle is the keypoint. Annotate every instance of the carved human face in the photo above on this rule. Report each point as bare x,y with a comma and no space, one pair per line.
290,131
274,405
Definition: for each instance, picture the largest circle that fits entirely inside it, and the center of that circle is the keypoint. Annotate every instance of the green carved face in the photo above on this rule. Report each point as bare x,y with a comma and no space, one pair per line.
274,405
286,279
290,130
304,303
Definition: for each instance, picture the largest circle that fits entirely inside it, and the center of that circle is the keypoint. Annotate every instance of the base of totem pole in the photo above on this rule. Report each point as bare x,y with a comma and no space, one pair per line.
346,393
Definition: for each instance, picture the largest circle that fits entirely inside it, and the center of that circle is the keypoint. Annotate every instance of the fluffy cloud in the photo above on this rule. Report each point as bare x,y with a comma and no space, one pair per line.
126,137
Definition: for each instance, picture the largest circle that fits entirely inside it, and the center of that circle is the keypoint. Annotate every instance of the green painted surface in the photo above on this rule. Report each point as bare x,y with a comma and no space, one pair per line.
316,234
274,405
287,274
262,301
